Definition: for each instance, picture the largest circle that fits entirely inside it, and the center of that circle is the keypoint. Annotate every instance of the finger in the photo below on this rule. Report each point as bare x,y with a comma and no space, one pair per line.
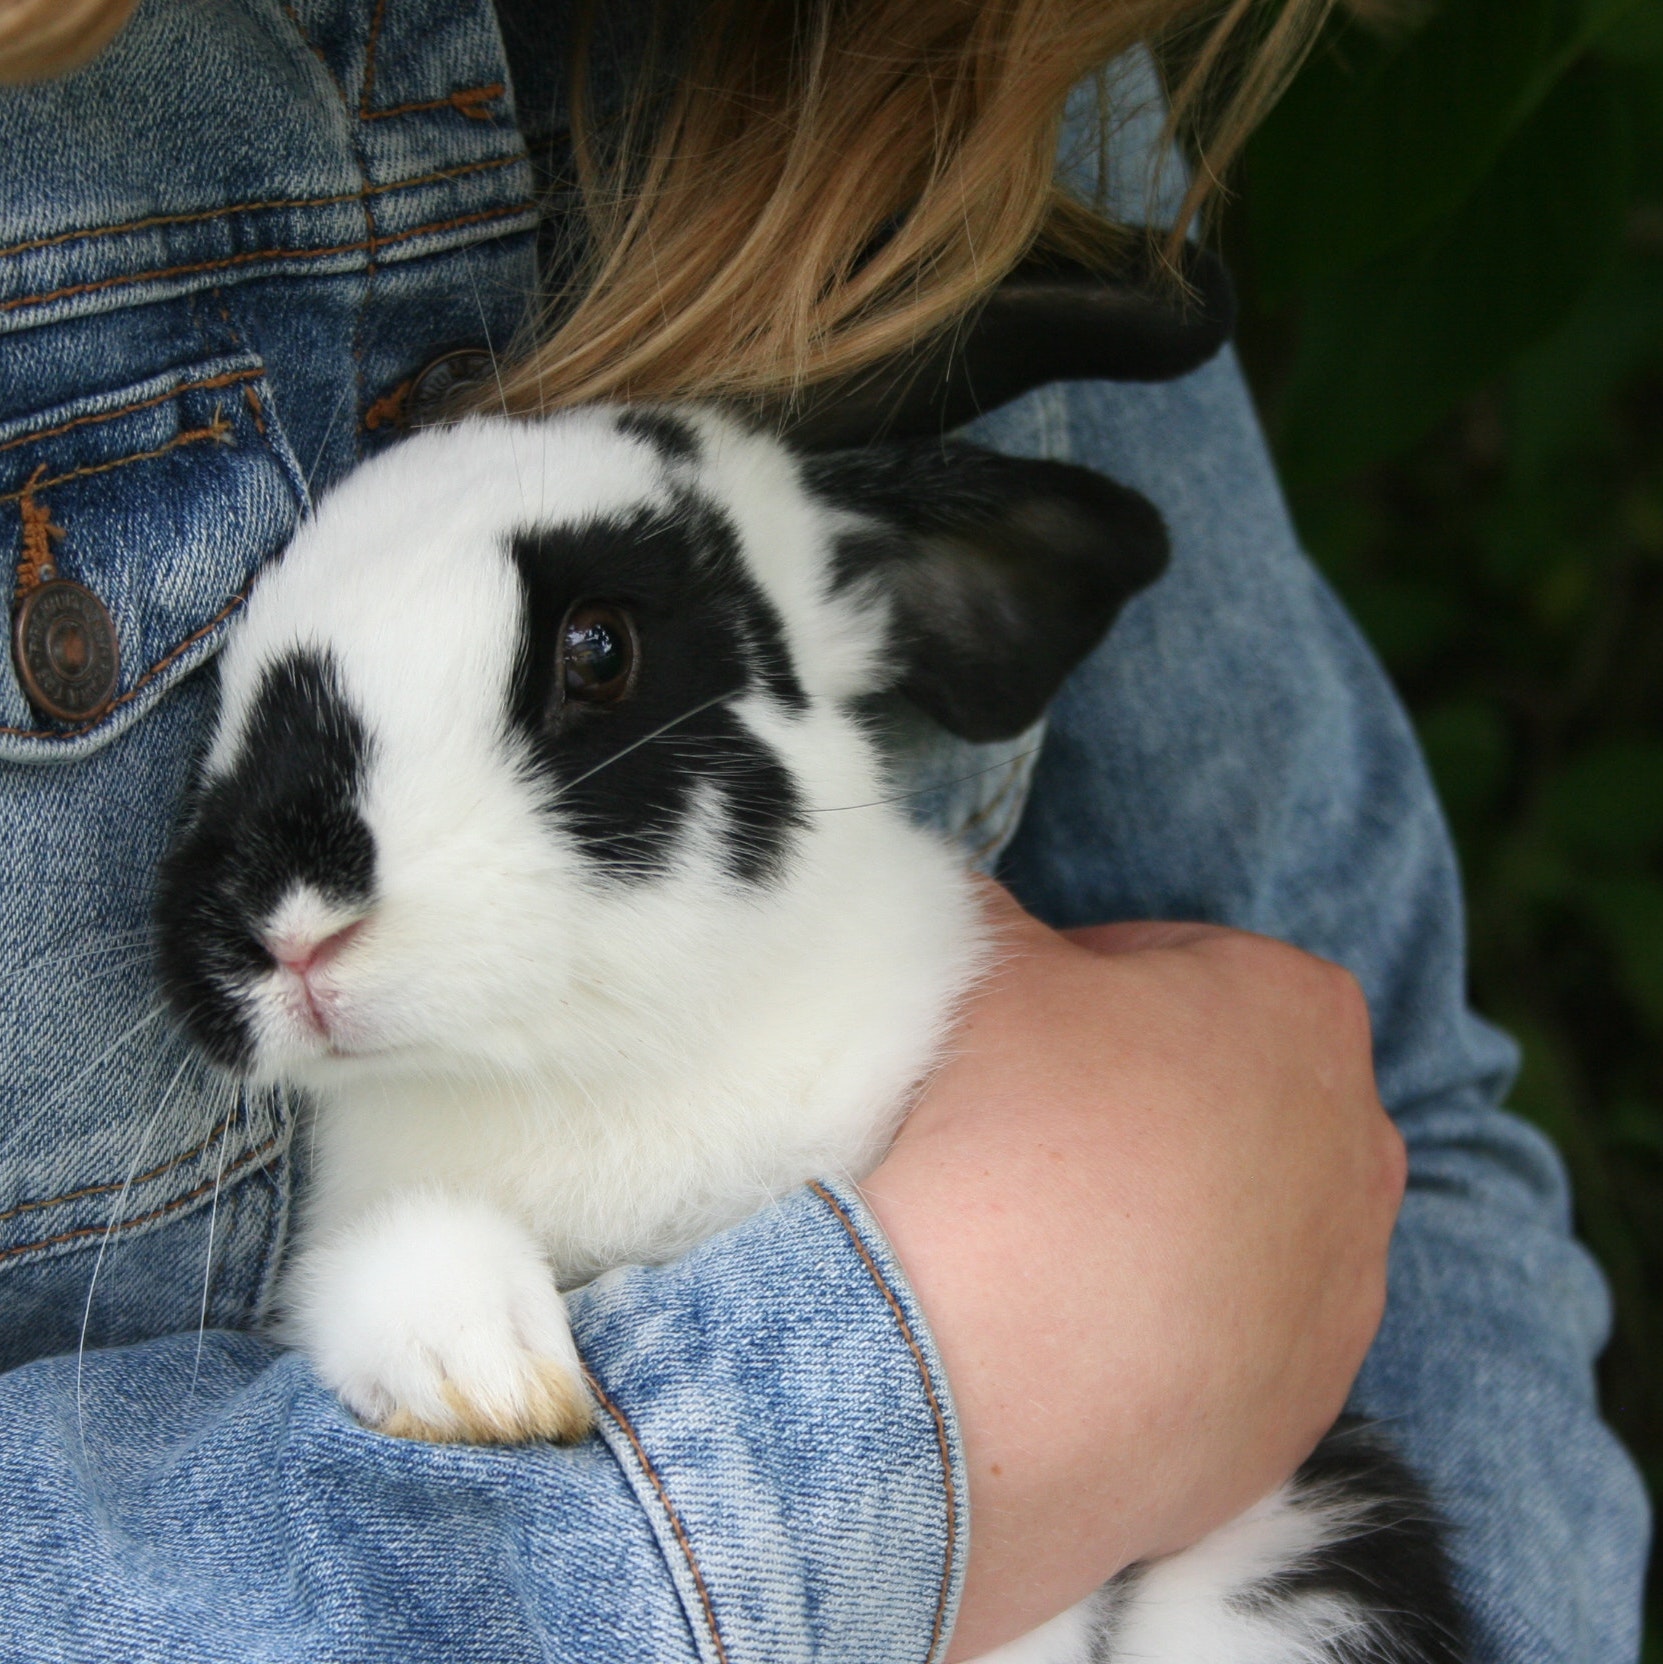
1139,935
1008,916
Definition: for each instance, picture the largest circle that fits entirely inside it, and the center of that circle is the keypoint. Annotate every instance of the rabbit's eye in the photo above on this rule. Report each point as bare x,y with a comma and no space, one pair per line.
598,652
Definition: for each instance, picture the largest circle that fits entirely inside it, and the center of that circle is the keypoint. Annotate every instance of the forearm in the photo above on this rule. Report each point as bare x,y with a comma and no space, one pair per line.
1145,1206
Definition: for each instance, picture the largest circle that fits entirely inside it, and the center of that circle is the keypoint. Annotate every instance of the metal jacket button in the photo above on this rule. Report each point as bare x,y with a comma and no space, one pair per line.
64,646
434,389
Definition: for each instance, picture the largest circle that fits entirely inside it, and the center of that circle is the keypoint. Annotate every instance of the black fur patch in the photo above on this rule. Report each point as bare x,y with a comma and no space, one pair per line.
627,776
671,437
1003,572
1393,1567
285,813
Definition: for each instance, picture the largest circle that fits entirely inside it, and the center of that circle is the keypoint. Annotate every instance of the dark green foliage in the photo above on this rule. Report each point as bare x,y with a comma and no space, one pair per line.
1451,245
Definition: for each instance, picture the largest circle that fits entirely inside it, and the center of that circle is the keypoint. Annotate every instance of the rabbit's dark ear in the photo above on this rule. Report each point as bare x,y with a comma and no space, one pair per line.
1003,573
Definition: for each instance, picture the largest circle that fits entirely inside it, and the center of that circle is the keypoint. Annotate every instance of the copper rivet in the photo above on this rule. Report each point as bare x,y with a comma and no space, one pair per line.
450,373
64,647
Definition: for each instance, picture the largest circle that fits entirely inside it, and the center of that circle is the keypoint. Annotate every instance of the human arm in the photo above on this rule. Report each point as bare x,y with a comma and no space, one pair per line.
1180,1185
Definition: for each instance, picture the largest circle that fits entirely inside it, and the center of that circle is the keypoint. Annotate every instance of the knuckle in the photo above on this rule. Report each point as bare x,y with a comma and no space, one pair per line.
1392,1160
1258,957
1344,1004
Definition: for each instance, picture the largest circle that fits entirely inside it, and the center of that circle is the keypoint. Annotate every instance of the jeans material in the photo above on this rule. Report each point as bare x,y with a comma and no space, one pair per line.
225,247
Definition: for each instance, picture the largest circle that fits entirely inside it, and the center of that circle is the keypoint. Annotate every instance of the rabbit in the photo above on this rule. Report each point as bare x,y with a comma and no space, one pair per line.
544,844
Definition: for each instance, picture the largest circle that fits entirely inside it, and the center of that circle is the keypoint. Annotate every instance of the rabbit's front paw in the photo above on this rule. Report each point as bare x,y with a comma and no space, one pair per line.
437,1318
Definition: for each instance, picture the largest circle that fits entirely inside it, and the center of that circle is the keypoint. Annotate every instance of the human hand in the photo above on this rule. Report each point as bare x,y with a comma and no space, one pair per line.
1146,1206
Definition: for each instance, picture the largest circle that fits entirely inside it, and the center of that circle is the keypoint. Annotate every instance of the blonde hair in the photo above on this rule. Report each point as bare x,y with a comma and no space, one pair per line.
827,182
823,183
43,38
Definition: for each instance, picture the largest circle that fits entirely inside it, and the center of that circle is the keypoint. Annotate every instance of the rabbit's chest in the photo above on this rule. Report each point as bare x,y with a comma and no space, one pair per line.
635,1174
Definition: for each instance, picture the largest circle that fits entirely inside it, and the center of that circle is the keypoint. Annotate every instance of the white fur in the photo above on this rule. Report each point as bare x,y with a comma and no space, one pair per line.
1066,1639
1185,1610
430,1288
1190,1608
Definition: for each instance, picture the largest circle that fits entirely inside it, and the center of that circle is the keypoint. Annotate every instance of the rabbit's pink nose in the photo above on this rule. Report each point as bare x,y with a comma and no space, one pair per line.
304,954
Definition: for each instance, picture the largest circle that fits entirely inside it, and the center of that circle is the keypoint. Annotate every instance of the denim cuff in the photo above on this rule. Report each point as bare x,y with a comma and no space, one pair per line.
777,1403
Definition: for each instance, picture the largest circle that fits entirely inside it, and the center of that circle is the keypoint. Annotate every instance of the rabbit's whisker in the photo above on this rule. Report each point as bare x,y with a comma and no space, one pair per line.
635,745
110,1231
234,1094
153,1015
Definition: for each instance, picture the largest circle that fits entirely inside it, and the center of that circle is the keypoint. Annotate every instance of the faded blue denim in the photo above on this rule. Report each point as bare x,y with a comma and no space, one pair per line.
224,248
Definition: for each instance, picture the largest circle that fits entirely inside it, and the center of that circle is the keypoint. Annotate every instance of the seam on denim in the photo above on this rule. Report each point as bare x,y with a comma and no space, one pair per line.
270,205
256,409
998,798
228,379
943,1442
274,254
668,1506
240,1165
217,430
466,101
1000,801
138,687
311,45
37,1204
377,18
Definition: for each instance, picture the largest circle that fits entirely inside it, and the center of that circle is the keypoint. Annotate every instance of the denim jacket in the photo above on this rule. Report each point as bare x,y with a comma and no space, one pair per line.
229,248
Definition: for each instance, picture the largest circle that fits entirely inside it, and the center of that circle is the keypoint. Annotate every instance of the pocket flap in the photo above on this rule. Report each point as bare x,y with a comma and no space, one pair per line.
162,499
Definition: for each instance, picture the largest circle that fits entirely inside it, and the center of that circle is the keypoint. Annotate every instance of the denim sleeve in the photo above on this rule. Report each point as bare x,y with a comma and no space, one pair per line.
1235,753
776,1479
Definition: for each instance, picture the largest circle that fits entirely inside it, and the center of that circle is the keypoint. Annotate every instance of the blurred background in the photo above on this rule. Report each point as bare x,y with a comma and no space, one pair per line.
1449,242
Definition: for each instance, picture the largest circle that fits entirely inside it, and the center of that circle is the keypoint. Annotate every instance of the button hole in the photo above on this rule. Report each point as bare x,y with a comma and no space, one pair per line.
36,564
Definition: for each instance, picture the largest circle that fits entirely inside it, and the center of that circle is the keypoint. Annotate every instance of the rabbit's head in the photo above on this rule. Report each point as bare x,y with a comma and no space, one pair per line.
542,735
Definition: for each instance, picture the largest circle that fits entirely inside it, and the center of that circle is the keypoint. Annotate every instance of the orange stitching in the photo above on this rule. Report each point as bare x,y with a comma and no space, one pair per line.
115,1184
218,429
919,1359
262,254
155,1213
467,101
669,1508
389,408
35,565
370,267
225,318
258,410
271,206
228,379
149,676
376,20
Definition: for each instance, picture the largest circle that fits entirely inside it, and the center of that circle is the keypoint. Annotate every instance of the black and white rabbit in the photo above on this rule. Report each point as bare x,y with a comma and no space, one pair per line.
543,842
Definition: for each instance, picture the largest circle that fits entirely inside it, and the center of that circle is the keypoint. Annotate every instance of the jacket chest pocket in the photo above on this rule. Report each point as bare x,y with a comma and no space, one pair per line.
150,509
134,522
